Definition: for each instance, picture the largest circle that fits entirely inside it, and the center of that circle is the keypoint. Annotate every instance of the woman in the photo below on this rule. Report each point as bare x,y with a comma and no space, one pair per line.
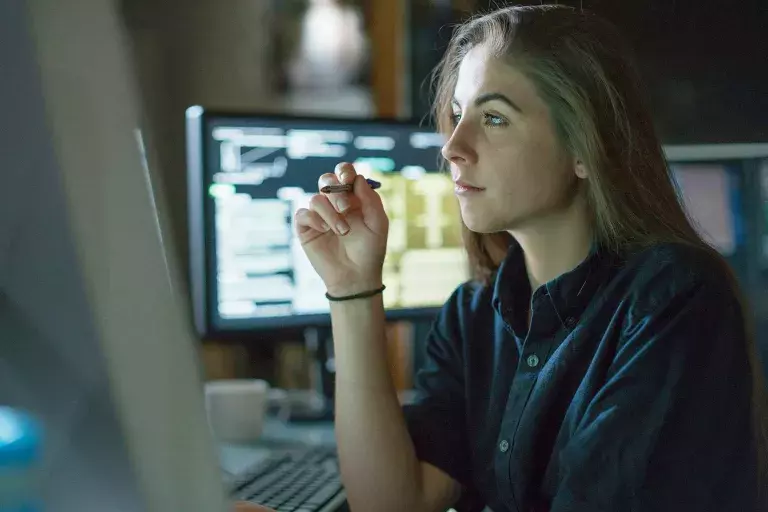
600,359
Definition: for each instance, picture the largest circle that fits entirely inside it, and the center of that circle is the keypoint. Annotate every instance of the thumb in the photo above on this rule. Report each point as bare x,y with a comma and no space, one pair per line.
371,206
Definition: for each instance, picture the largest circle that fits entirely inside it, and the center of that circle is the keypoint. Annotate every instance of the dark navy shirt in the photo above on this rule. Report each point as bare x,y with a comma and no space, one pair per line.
629,392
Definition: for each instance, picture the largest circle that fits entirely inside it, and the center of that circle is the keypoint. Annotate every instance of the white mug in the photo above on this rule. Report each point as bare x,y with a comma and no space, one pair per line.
236,409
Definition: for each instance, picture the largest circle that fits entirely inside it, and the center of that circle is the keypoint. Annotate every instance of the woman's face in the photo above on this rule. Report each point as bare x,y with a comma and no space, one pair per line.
509,168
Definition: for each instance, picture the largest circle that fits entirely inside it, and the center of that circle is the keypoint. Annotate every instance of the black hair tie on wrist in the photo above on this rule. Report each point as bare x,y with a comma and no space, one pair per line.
361,295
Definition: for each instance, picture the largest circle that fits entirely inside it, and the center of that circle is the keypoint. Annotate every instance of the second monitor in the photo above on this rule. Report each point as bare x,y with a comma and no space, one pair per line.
249,174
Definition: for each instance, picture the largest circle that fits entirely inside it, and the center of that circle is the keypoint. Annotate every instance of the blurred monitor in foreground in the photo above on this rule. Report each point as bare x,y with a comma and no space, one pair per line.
248,174
93,341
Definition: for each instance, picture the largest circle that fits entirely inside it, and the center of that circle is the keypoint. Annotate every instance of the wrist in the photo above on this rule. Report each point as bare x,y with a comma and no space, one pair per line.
358,287
356,296
358,308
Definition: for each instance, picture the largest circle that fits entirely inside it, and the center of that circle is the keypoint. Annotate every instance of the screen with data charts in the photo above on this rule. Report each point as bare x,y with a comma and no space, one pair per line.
249,174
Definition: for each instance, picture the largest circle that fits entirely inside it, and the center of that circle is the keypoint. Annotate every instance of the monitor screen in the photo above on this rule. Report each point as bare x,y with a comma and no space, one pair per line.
249,174
707,191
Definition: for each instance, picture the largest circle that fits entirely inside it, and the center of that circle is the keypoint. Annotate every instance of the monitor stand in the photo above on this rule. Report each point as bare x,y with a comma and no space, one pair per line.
322,372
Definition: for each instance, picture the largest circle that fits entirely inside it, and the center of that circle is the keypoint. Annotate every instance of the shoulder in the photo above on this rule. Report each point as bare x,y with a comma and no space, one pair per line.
662,273
670,265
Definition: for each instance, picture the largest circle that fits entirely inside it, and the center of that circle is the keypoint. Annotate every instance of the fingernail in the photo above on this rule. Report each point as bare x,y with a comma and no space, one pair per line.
325,227
342,204
342,227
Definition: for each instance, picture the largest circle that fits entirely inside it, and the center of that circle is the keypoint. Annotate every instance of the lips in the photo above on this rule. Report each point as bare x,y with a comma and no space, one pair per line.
461,186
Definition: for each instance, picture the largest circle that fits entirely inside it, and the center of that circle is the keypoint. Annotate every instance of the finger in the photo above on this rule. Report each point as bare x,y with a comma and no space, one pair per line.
327,179
342,201
321,205
370,205
307,220
345,172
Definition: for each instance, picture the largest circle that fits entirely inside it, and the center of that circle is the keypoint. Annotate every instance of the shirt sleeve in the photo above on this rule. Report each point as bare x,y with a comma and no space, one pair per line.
671,428
436,420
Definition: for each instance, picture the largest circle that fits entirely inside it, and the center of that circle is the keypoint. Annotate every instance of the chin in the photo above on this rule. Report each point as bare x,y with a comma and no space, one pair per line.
482,225
486,224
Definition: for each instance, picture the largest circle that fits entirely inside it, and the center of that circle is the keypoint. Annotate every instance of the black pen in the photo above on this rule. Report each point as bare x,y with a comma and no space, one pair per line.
335,189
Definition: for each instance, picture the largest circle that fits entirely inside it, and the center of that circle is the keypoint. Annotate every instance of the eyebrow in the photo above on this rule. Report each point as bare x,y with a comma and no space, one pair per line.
485,98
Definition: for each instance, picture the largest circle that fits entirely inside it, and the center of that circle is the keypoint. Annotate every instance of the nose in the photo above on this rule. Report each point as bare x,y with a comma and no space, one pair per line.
458,149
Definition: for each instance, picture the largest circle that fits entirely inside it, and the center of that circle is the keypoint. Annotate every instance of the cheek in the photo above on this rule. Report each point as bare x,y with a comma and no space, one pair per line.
533,173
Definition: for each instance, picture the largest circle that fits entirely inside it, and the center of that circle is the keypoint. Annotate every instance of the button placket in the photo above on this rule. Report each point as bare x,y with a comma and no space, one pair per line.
539,345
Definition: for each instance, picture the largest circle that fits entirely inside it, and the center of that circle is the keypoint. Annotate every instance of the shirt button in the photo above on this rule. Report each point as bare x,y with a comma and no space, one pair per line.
504,446
533,360
570,322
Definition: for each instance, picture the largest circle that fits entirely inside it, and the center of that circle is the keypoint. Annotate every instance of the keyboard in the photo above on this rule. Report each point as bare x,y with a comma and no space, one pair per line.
298,480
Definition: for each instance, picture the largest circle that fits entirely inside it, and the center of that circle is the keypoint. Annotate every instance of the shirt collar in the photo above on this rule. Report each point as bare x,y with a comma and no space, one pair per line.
570,293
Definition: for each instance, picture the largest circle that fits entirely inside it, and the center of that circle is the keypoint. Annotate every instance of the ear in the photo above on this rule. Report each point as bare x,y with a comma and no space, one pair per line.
580,169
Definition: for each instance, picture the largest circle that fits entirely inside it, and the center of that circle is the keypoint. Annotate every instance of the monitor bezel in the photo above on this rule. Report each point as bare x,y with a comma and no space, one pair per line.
201,254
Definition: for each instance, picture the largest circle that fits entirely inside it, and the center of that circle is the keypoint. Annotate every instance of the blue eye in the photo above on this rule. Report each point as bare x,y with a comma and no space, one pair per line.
494,120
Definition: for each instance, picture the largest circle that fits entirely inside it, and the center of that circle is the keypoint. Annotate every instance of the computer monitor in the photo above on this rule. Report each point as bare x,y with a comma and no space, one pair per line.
93,339
715,183
710,193
720,185
249,173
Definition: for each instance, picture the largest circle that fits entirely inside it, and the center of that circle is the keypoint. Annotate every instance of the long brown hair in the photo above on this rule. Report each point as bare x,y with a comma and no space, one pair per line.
581,68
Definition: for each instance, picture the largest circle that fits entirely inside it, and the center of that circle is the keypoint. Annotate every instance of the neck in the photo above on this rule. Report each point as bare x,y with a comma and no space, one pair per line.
556,244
